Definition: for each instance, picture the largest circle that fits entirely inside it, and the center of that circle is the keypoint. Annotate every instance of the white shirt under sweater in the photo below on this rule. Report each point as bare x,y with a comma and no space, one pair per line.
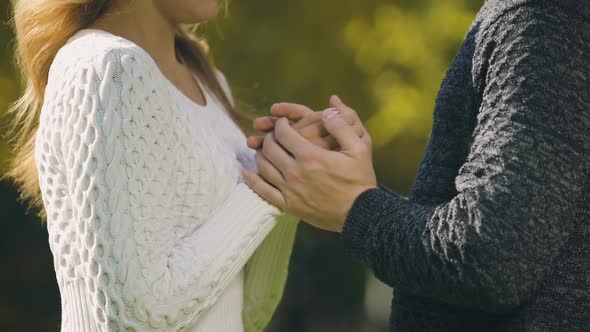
149,222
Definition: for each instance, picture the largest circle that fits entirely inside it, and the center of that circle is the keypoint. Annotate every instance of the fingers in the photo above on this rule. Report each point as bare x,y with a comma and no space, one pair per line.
308,123
343,133
359,129
275,153
313,130
293,112
366,138
311,119
327,142
316,134
350,114
336,102
346,112
290,139
268,171
311,125
317,129
265,190
264,124
255,142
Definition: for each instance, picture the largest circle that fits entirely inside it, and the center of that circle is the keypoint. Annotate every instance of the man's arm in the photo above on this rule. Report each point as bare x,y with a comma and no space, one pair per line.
491,244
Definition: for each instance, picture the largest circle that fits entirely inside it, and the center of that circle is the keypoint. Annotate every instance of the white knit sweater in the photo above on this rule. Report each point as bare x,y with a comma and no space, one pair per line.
149,223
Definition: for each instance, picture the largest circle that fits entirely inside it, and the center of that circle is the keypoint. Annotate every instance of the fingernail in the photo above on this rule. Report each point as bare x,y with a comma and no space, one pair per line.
329,113
338,100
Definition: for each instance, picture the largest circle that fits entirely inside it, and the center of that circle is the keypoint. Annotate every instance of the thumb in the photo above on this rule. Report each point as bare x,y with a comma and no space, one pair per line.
336,102
339,129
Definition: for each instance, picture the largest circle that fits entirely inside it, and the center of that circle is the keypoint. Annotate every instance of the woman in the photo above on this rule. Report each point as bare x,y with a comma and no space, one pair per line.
130,133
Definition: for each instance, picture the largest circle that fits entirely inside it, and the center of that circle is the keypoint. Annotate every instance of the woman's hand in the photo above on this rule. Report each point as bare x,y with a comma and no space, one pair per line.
307,122
315,184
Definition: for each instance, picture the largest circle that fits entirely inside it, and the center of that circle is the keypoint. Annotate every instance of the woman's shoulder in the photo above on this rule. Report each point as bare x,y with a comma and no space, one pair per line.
95,70
100,53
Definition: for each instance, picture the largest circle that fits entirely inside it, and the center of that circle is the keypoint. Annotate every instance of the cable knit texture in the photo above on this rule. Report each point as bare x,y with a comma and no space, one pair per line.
495,233
149,222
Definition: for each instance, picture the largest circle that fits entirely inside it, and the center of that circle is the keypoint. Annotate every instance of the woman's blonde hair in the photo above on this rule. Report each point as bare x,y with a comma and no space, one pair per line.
42,27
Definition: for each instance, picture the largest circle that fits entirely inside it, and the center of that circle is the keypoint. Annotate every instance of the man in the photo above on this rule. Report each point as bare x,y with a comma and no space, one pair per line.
493,236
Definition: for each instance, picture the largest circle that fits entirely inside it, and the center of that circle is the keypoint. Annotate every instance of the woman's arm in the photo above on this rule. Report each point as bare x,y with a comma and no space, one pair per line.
119,162
266,274
267,270
490,246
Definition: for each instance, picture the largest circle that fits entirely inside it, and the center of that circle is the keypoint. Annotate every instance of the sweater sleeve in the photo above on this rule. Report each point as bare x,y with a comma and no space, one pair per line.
266,272
145,276
490,245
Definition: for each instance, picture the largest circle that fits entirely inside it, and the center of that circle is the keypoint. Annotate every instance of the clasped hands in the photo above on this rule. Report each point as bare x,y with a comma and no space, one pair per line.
312,164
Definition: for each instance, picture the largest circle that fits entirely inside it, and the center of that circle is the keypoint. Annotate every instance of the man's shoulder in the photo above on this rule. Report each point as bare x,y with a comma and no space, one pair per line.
492,10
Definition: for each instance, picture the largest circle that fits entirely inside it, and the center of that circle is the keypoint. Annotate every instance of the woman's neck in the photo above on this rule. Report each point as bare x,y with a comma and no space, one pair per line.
143,24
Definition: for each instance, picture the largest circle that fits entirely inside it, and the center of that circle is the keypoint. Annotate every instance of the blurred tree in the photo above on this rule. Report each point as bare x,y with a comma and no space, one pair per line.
404,53
9,87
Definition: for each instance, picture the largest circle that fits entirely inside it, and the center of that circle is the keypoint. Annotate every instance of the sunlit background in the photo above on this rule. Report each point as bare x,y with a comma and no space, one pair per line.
386,58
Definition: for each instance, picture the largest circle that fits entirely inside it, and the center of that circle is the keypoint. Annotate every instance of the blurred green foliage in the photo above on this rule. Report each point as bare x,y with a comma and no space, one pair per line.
385,58
404,54
9,87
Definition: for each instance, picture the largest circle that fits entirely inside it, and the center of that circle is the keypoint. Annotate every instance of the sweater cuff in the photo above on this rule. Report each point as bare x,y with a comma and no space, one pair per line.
368,209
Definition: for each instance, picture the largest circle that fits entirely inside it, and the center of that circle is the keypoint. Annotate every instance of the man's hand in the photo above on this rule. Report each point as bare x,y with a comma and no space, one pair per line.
306,121
315,184
292,112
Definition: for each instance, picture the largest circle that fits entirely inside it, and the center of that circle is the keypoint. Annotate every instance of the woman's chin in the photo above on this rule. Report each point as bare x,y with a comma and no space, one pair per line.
205,12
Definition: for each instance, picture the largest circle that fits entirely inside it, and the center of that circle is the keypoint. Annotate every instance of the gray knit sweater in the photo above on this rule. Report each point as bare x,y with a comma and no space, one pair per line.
495,235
